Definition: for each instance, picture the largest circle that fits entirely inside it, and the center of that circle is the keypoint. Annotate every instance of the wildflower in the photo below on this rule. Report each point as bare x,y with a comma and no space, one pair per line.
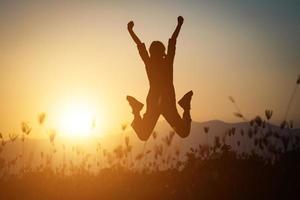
268,114
206,129
226,148
264,124
123,127
231,99
233,131
192,150
251,122
52,135
228,133
127,141
128,146
217,143
41,118
238,115
158,151
258,120
154,135
25,128
169,138
12,137
242,132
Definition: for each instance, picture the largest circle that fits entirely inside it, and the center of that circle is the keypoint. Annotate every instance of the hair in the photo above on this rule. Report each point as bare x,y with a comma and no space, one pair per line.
157,49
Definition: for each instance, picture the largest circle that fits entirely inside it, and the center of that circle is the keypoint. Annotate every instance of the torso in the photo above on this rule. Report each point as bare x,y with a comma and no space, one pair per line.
160,75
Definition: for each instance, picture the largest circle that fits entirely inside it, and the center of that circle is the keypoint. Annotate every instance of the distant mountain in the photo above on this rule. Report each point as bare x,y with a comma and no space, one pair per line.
217,128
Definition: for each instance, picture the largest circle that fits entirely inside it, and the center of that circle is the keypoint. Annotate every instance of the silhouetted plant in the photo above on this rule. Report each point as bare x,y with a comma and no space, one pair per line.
123,127
201,163
154,135
206,129
268,114
26,129
291,98
41,118
52,135
258,121
13,137
238,113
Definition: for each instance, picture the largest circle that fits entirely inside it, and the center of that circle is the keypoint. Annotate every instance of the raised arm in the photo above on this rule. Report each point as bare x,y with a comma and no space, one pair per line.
178,27
141,46
132,34
172,40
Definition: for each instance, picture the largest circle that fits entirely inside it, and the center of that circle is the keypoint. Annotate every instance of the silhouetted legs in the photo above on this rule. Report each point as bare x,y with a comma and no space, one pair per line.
144,126
181,125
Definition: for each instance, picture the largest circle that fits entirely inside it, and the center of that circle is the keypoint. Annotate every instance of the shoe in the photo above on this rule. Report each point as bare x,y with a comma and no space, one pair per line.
135,104
185,101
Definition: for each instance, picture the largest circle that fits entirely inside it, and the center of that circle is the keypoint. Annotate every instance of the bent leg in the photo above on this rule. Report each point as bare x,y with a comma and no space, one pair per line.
144,126
181,126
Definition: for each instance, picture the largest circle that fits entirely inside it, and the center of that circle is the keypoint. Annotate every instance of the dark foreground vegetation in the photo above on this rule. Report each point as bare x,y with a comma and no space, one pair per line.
223,175
268,169
271,170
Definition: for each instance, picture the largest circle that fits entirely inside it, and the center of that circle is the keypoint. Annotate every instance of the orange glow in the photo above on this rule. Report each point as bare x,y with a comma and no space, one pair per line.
77,120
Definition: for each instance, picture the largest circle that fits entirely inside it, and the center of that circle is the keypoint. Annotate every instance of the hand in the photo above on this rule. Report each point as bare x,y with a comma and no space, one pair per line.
180,20
130,25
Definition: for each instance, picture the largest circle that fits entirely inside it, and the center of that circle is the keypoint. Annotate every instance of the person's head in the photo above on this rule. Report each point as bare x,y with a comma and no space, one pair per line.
157,49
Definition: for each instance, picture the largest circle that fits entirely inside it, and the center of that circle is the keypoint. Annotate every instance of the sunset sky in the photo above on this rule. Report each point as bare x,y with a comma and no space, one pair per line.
60,55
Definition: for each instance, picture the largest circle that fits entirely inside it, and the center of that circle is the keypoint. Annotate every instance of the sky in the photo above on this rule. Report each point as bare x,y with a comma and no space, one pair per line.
57,56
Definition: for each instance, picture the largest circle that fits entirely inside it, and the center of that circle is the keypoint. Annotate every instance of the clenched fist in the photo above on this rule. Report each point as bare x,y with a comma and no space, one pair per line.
130,25
180,20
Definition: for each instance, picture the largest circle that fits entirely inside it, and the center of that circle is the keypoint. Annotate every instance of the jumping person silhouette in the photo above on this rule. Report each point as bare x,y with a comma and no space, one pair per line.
161,96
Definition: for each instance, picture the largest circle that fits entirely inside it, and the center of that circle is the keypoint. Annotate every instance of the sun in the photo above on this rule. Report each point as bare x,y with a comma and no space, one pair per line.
77,120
